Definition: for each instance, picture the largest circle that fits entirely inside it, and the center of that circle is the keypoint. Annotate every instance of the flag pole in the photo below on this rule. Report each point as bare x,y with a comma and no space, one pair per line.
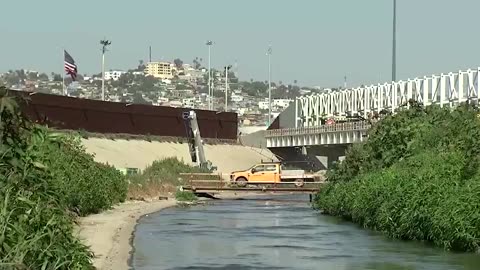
63,73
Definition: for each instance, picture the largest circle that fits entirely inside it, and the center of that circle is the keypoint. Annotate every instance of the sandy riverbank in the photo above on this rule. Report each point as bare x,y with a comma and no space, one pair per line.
109,233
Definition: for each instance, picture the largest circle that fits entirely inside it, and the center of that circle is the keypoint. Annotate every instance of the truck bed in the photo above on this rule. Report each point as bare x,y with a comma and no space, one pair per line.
295,174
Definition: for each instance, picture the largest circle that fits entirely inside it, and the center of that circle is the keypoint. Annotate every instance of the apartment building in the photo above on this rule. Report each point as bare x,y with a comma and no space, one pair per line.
161,70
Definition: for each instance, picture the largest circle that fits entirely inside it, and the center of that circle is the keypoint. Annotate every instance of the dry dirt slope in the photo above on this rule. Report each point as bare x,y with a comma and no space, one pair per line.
139,153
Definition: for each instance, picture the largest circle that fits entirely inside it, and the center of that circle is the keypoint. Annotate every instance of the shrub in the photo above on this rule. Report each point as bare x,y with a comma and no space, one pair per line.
415,178
35,230
185,196
168,171
161,176
42,176
88,186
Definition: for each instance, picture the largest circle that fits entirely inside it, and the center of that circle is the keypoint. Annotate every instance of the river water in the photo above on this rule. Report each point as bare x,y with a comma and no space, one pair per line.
275,233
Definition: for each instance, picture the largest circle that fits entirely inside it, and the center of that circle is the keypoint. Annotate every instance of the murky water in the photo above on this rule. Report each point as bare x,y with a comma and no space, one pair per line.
275,233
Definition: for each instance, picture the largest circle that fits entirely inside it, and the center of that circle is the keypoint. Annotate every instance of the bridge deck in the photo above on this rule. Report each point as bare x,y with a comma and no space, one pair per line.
253,189
342,133
205,185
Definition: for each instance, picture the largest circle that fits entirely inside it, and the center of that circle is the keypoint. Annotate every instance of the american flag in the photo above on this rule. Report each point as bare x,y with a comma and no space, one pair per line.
70,67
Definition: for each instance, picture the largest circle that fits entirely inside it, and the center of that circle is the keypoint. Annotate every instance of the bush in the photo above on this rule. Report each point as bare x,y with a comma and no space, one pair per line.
35,230
168,170
88,186
185,196
43,176
415,178
162,176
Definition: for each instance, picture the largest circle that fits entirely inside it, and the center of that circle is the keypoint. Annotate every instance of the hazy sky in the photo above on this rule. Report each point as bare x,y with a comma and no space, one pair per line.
315,42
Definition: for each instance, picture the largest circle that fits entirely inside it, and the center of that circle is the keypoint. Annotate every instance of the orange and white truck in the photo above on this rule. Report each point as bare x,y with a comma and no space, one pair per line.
270,173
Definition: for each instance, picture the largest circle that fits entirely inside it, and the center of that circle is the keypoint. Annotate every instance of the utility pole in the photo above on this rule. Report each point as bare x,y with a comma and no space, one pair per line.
104,43
345,82
227,69
210,92
269,53
394,42
150,54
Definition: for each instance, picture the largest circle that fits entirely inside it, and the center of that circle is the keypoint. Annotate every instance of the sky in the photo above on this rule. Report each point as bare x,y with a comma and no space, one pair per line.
316,42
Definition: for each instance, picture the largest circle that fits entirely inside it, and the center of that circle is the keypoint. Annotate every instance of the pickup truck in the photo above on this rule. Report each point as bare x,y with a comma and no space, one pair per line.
270,173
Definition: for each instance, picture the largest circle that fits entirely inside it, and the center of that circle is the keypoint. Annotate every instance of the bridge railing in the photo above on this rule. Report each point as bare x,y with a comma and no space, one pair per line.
446,90
349,126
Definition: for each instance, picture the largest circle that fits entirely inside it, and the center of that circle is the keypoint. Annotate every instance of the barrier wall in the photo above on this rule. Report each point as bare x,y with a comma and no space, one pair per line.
114,117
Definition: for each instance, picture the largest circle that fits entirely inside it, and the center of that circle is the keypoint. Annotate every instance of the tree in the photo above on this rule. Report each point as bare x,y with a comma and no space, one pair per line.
141,66
43,77
32,76
295,81
196,63
257,88
56,77
178,63
138,99
21,74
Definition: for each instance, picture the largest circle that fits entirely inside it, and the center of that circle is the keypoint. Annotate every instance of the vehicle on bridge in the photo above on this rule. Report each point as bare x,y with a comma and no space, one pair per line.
270,173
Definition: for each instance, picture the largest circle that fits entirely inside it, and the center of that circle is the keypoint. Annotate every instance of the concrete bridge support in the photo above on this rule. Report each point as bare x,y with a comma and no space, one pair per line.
311,158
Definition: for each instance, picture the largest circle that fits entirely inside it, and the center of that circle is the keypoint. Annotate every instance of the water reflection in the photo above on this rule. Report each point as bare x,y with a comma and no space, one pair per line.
275,233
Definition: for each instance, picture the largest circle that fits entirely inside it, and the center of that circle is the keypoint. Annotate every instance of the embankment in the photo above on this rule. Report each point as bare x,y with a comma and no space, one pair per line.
416,178
140,153
108,234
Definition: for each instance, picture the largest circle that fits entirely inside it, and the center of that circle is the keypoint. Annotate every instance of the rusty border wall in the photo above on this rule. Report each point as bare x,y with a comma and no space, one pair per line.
97,116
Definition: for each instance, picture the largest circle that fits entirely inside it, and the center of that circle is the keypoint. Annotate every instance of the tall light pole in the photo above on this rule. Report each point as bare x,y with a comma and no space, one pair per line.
394,42
210,100
104,43
227,69
269,53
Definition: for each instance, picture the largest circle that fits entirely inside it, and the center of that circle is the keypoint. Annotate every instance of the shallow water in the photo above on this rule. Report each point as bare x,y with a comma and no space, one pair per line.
275,233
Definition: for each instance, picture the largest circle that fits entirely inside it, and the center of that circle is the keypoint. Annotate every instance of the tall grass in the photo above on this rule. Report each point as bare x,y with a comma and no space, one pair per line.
161,177
43,178
417,178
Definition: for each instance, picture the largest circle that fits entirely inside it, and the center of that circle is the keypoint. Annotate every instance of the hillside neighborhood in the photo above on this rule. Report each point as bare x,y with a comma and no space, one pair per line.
173,84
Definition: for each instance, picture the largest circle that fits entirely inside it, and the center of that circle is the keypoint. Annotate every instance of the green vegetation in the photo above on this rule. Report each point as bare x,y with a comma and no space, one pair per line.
88,186
185,196
160,177
167,171
416,178
44,179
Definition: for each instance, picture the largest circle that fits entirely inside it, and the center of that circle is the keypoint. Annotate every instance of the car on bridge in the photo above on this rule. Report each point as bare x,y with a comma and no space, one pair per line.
270,174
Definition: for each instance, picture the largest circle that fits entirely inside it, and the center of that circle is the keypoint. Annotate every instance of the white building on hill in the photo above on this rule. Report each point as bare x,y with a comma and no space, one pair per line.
113,74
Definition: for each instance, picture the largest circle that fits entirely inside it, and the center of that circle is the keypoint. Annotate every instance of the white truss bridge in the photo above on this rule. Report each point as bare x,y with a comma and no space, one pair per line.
449,89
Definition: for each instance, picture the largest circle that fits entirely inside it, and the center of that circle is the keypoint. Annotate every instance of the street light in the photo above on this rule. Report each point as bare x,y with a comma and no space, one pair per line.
104,43
269,53
394,42
210,100
227,69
